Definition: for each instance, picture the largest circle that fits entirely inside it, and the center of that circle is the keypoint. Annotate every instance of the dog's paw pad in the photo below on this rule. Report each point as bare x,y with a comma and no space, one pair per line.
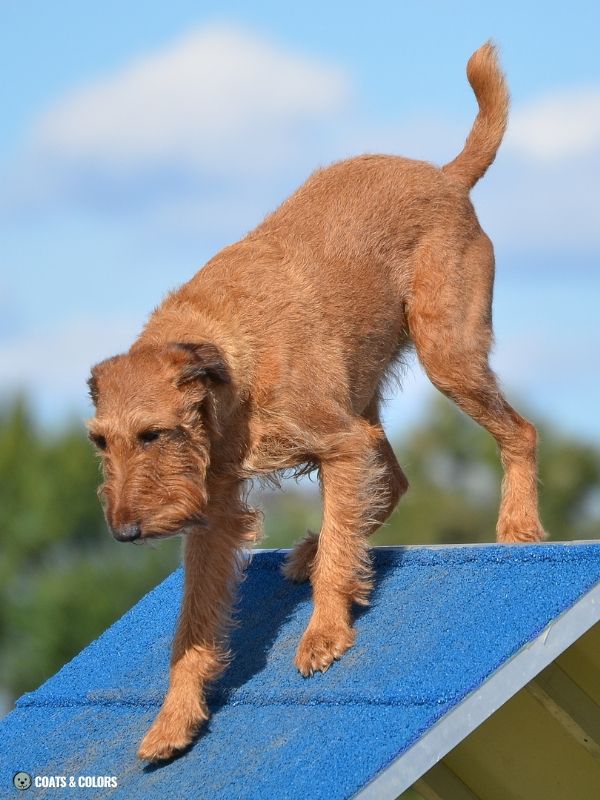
319,648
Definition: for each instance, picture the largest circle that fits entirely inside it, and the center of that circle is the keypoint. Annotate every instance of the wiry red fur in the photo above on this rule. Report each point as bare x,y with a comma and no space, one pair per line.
273,357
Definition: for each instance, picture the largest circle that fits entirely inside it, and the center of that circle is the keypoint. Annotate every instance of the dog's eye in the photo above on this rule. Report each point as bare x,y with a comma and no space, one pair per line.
147,437
98,440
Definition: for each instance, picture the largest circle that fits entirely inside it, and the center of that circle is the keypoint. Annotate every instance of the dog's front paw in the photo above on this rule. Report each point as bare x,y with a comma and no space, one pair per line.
170,734
320,647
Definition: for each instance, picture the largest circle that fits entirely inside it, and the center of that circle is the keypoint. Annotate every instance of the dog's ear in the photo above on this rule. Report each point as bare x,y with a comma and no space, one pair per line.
199,362
92,383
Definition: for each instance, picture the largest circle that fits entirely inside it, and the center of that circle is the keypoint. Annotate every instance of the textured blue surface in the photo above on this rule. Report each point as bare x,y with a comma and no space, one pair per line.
440,623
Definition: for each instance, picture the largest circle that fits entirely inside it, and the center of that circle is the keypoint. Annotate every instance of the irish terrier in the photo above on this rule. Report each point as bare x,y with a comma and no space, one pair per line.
273,357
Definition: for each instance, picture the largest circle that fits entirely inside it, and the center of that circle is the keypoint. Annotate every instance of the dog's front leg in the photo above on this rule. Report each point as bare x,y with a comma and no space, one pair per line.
353,497
199,650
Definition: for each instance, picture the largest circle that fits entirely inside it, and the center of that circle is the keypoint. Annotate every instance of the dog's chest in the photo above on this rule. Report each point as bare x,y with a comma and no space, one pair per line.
275,450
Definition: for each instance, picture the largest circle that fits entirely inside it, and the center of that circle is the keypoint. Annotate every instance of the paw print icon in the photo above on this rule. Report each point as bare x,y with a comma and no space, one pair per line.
22,781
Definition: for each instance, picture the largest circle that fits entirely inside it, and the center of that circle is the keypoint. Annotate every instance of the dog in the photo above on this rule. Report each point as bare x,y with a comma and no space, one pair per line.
273,357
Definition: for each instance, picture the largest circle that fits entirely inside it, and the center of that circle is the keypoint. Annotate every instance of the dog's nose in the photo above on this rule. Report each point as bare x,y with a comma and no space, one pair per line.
127,533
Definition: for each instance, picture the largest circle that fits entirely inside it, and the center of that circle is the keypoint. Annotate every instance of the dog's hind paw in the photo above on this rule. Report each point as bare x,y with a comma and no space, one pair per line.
299,562
522,535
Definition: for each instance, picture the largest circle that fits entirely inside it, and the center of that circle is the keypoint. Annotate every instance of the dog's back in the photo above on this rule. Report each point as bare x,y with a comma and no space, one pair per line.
333,268
371,212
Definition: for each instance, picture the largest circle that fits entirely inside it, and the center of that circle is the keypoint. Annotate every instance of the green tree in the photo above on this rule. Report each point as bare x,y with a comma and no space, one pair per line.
63,580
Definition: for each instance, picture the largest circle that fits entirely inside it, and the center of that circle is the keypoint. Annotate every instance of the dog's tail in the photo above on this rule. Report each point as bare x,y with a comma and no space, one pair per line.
491,91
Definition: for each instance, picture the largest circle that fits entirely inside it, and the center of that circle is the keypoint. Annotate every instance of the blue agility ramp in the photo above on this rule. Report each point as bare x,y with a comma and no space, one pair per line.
451,634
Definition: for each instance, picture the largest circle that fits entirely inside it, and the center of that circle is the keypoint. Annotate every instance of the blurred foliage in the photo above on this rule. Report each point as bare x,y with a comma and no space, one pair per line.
63,580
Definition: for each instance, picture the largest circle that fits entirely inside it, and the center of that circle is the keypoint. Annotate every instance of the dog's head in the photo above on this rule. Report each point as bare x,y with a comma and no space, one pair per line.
154,425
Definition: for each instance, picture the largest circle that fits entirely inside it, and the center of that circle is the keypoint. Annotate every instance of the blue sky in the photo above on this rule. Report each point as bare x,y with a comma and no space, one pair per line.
138,138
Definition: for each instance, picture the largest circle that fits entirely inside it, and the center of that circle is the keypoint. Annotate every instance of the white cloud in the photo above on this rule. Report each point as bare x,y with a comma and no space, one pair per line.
216,101
561,125
202,137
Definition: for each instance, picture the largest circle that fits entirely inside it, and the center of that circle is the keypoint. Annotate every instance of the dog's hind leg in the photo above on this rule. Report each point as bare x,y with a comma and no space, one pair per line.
394,482
353,496
300,561
449,316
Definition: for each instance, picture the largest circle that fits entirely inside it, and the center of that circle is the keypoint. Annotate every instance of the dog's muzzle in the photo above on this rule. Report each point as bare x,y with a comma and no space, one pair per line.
127,533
